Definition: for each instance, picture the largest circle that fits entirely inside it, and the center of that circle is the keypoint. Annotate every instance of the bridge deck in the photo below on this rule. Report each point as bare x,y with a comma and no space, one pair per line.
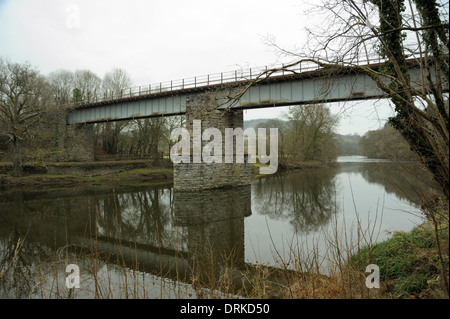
284,87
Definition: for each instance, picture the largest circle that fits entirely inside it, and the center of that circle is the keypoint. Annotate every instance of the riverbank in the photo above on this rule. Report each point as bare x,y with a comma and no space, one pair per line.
134,176
304,165
122,172
412,265
71,173
299,166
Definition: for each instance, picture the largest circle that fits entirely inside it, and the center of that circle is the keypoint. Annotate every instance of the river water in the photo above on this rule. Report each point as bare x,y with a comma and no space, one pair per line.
149,241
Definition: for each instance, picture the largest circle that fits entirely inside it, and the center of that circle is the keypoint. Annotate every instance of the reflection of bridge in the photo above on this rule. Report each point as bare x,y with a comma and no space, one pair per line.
205,237
218,102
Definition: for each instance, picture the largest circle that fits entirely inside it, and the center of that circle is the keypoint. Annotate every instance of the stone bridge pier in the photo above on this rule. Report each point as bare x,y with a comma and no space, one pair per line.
194,176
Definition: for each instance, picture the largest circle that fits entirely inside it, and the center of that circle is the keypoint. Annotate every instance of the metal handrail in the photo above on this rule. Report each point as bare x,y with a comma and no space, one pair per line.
215,79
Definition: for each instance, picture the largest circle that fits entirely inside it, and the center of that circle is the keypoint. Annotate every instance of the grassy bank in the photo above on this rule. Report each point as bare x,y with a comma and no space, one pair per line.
134,176
127,171
412,265
297,167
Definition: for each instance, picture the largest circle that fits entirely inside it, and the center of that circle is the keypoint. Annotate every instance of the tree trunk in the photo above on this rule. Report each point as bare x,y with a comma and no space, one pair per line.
17,159
423,136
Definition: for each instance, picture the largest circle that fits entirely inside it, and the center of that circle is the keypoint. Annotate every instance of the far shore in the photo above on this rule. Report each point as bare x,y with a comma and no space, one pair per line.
72,173
106,172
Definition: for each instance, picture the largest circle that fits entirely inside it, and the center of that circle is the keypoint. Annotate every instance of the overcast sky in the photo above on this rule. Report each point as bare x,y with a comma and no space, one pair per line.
157,41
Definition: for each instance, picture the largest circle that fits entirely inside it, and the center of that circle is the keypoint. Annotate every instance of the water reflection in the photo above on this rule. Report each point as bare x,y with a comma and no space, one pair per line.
143,217
305,198
32,228
214,220
406,180
154,230
182,235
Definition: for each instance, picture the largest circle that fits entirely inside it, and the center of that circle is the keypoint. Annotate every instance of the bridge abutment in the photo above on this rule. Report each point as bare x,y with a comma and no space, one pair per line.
79,142
195,175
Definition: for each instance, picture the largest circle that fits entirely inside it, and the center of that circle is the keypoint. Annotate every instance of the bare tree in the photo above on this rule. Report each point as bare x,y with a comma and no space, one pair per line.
62,83
148,135
23,95
403,33
172,122
399,33
311,133
87,86
115,81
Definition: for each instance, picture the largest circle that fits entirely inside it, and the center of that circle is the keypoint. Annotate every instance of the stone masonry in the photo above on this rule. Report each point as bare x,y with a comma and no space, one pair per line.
197,176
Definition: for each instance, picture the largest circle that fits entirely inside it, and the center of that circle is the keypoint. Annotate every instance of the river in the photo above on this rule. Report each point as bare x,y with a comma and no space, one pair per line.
159,243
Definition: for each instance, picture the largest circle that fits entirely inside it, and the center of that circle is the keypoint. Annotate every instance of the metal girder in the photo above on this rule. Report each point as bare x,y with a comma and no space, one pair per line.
293,89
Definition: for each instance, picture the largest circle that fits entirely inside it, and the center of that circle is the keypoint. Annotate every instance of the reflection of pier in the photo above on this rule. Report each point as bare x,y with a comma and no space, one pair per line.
214,220
210,237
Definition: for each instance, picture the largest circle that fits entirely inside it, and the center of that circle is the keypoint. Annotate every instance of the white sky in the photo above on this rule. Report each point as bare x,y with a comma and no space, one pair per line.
161,40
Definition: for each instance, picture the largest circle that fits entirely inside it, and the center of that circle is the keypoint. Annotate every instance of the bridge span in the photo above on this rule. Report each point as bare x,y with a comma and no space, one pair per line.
222,108
287,86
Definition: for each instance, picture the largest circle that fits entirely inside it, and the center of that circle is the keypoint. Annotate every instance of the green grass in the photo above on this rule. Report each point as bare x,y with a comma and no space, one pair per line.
133,176
409,262
137,172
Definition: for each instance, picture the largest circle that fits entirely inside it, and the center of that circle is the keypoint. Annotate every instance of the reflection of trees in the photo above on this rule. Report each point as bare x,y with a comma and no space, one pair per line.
408,181
46,221
142,217
15,273
20,252
306,198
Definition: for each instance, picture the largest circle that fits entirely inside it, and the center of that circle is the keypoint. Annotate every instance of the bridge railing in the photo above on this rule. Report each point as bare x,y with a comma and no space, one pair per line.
214,79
